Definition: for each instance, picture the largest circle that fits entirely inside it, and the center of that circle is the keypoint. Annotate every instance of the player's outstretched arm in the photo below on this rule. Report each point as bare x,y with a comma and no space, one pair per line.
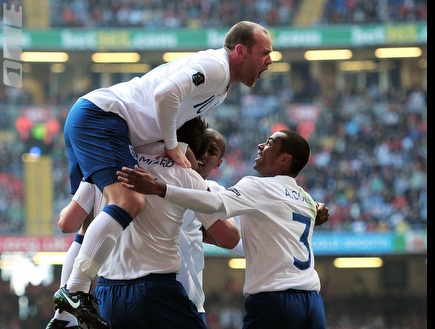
143,182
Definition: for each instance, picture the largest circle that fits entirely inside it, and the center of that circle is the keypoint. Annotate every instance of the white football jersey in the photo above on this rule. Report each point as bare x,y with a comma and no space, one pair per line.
192,254
276,220
199,81
192,259
150,243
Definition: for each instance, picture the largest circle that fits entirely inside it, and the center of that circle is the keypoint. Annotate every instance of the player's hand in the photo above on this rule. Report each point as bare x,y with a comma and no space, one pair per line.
192,159
322,213
141,181
178,156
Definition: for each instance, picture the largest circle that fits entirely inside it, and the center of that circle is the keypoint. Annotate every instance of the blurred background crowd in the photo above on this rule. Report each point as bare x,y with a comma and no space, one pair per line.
369,148
362,139
216,13
368,163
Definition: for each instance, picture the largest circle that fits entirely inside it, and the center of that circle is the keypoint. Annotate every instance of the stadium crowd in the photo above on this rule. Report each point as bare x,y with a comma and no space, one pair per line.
217,13
375,141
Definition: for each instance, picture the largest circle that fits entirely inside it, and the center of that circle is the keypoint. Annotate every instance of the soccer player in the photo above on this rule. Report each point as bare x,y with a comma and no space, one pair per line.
192,236
160,245
192,233
277,218
137,284
104,126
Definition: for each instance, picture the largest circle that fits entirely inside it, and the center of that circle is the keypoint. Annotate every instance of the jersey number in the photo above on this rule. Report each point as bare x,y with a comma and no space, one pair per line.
304,239
201,106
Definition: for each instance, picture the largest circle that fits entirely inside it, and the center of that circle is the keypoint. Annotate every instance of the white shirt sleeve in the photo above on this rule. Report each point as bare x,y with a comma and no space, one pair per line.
167,100
197,200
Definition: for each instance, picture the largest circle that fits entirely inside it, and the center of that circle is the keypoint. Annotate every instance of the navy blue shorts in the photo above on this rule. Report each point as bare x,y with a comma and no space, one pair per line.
97,145
156,301
290,309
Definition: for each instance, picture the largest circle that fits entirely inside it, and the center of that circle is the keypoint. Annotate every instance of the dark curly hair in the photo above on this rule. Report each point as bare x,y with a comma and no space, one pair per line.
193,133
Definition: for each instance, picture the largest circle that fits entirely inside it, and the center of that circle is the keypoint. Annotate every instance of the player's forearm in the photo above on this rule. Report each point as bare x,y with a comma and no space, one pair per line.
197,200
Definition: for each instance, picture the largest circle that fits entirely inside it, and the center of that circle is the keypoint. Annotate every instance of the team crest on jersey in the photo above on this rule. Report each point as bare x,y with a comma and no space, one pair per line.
198,78
235,191
132,152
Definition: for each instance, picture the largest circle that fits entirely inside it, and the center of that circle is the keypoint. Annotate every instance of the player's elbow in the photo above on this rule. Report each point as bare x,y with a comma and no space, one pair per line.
67,224
230,242
226,238
67,227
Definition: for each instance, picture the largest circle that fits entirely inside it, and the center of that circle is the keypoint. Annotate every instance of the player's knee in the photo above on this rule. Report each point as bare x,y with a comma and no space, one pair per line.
133,203
137,204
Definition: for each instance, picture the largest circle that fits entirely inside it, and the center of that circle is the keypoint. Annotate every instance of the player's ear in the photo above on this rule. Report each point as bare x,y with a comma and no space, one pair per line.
218,164
286,160
240,49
